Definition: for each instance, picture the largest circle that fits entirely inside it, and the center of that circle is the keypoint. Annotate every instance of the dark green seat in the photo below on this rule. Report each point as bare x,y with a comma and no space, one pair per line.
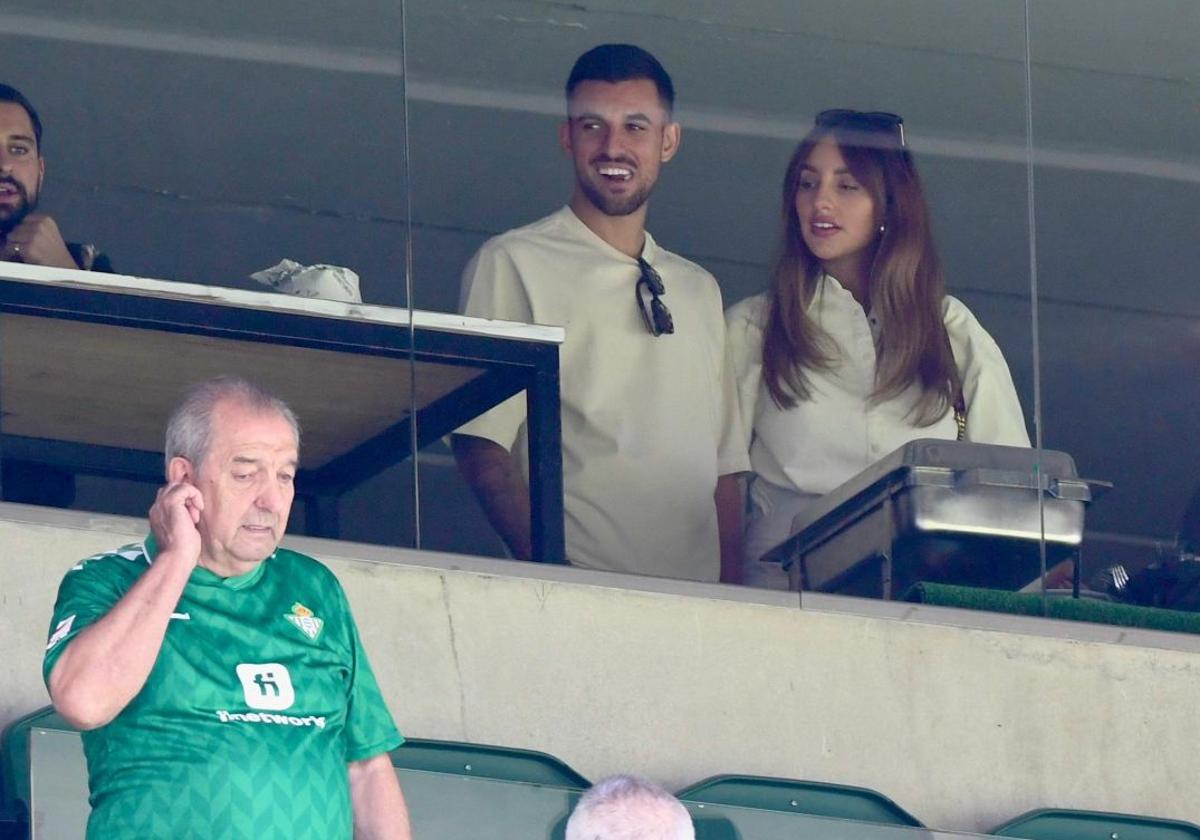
715,828
505,764
459,790
14,822
799,797
1067,824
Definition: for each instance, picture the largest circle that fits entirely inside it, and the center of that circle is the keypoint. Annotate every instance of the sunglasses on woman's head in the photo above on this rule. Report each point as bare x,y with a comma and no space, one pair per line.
881,121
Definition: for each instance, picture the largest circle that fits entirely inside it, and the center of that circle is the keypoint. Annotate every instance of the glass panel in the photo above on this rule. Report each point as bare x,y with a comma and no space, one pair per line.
1116,131
204,143
58,785
727,822
485,82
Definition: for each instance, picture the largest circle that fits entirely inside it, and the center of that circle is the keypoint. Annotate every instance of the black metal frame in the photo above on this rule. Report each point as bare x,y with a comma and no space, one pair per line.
510,365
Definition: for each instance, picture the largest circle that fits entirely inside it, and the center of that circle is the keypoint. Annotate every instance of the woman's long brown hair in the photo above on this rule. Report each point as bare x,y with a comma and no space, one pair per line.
905,285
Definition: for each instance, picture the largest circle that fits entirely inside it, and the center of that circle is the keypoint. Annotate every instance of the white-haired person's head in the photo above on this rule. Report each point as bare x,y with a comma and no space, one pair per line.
629,808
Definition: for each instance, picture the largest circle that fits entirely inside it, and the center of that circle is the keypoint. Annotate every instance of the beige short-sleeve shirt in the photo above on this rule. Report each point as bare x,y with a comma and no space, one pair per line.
648,423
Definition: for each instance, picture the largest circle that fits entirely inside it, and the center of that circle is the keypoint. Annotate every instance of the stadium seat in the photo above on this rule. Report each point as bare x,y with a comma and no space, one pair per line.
1066,824
457,790
486,762
9,825
799,797
13,823
714,828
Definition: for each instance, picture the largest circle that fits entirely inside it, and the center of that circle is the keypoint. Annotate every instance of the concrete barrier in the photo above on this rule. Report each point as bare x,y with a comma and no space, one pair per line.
965,719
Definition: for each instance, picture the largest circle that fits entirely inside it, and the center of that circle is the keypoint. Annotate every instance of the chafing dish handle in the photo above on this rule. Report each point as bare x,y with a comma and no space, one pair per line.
1067,489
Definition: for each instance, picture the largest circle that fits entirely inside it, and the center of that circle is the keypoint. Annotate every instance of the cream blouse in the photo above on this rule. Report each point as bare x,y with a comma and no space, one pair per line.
801,453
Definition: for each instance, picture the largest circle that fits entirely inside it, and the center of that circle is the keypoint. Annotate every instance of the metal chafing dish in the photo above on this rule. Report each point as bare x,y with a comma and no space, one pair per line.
945,511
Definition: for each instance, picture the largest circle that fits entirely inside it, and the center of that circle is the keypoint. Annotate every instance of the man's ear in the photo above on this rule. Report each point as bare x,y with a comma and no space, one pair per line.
180,470
670,141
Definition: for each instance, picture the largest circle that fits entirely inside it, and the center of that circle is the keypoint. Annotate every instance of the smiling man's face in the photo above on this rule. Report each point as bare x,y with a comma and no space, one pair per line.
618,135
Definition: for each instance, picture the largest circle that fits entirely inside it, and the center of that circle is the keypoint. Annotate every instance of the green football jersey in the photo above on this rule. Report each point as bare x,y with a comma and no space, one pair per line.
259,697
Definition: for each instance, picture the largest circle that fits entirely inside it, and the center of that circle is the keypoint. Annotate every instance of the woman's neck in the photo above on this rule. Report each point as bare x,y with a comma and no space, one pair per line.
852,274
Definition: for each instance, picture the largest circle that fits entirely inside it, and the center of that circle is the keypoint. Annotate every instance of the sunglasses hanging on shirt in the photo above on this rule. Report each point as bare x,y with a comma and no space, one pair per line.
654,312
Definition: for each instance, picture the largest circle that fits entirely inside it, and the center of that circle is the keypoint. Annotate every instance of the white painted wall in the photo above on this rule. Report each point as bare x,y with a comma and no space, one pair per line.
965,719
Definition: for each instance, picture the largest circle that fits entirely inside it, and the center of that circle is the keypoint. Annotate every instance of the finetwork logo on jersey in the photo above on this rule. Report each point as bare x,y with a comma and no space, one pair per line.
268,686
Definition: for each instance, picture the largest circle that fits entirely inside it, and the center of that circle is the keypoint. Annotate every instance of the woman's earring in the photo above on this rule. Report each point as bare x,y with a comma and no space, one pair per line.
882,228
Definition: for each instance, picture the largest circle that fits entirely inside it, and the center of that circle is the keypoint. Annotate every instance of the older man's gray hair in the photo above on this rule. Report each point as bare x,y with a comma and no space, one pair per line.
629,808
190,432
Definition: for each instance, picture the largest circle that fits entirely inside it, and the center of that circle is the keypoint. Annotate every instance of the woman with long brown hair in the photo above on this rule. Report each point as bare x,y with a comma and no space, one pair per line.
855,349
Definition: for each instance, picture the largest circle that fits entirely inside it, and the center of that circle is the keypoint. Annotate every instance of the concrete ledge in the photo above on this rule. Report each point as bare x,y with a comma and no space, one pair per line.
963,718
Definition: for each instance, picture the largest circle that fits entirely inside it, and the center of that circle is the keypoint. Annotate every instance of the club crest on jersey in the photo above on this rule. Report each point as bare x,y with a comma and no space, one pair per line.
305,621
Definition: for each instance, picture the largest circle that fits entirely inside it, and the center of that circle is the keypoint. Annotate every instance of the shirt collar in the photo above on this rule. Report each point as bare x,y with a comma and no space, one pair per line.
203,577
649,247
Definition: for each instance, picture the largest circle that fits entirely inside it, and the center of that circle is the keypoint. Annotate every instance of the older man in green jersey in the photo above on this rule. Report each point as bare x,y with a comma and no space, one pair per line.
220,680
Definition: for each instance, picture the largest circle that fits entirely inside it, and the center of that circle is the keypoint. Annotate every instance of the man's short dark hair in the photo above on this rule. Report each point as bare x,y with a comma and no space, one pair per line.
621,63
8,93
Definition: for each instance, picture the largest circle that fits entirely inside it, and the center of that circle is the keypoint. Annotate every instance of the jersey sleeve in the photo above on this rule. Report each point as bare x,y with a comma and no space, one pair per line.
87,592
492,288
370,729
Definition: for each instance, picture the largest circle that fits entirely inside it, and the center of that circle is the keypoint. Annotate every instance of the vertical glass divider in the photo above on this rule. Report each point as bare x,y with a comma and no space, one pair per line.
1035,337
409,295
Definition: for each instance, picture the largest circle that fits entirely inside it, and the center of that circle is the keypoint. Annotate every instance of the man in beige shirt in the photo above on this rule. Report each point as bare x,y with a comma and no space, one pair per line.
651,437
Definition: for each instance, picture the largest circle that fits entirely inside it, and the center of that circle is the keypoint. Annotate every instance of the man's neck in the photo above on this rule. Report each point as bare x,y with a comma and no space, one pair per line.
625,233
227,568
